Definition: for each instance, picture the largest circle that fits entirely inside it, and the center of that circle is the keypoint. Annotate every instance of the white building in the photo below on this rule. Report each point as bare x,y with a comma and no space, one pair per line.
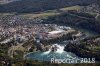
55,34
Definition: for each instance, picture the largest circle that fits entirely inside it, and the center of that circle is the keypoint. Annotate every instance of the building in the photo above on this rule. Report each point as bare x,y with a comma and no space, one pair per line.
55,34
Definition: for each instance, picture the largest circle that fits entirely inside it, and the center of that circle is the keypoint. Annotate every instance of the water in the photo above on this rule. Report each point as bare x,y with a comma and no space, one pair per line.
48,55
85,31
59,53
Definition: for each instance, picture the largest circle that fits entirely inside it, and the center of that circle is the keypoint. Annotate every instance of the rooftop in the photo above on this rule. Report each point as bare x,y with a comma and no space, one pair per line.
55,32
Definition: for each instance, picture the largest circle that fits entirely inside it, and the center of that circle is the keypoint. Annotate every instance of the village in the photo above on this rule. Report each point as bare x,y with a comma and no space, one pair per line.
40,31
40,35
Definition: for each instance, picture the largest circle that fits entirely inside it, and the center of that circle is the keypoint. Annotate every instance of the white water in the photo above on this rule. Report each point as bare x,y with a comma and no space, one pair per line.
58,53
60,49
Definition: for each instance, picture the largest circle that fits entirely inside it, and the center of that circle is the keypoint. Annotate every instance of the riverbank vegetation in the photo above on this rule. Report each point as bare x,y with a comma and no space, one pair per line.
87,48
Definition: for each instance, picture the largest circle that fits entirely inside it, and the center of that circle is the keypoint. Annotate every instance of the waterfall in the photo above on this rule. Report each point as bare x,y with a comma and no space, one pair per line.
57,49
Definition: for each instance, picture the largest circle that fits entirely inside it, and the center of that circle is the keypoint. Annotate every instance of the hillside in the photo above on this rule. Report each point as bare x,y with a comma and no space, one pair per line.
6,1
40,5
28,26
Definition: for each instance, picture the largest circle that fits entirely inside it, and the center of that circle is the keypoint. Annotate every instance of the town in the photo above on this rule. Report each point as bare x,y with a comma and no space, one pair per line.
38,33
